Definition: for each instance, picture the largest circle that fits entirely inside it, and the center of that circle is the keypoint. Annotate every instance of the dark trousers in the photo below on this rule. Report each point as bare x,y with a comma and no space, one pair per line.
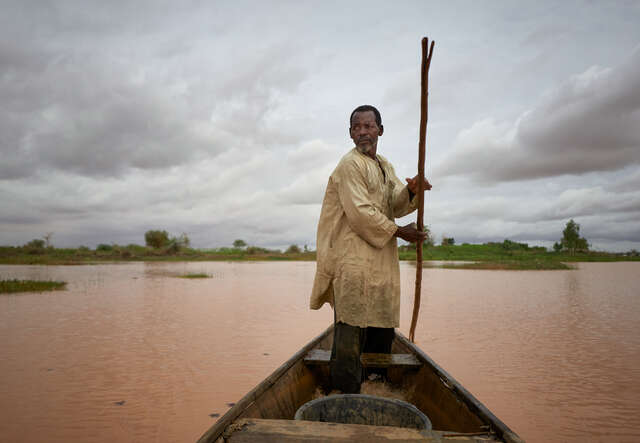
348,343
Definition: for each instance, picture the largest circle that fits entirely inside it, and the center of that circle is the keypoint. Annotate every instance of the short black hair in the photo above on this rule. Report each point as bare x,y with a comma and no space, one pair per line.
365,108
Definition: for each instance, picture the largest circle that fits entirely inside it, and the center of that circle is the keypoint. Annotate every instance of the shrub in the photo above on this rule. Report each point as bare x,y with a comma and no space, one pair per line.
36,243
256,250
293,249
172,248
83,250
447,241
35,246
509,245
156,239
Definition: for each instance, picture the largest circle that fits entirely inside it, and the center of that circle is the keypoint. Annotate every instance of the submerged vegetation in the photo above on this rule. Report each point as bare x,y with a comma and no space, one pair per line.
198,275
13,286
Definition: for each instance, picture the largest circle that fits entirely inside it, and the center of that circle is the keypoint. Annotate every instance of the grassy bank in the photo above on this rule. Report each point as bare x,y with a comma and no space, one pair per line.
13,286
509,255
505,255
506,265
23,255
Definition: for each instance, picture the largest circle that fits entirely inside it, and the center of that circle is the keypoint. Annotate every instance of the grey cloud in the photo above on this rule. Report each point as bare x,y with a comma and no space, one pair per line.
204,118
262,220
308,189
538,213
632,217
584,202
314,153
89,117
546,34
581,202
609,228
19,219
252,93
590,123
629,182
103,104
311,165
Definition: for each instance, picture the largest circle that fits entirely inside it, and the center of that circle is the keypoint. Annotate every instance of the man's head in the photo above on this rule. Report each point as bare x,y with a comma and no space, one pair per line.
365,126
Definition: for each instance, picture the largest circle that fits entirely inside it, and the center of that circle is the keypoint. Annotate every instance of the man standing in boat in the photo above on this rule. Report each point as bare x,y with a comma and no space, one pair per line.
357,269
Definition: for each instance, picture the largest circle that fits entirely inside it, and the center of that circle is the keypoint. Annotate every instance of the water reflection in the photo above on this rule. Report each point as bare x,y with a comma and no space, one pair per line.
131,353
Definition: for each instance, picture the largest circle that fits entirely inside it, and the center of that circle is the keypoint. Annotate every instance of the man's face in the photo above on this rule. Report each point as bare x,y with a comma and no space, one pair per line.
365,131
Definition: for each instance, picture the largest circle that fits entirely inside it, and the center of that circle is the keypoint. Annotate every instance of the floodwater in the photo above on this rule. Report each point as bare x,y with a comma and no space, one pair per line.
130,353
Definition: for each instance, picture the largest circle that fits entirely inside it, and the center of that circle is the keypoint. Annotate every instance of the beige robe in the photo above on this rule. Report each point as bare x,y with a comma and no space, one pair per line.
357,268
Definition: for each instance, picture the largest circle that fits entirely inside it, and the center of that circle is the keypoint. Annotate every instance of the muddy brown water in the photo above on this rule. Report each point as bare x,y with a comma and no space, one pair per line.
130,353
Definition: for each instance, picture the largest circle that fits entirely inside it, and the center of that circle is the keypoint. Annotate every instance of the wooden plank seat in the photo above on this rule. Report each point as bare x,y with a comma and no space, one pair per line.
265,431
323,357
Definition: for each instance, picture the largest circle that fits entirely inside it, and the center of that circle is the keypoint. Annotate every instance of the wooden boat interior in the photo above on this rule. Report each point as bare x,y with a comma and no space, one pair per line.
266,413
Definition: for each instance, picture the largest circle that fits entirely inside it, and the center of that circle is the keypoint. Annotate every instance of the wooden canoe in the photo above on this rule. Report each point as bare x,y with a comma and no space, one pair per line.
266,413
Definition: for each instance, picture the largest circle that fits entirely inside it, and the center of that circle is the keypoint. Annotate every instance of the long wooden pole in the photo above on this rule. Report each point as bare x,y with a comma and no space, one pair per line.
427,52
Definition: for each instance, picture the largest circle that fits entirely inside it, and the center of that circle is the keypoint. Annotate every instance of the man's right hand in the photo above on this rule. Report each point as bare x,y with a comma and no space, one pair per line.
410,233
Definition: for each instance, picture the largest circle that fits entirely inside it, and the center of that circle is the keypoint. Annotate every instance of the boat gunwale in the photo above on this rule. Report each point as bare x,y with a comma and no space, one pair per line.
216,430
475,405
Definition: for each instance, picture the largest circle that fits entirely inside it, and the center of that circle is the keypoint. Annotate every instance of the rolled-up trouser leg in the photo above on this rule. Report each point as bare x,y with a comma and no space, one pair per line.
345,366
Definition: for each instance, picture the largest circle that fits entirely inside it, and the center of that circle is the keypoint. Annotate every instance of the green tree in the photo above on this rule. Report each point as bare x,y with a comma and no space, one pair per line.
293,249
447,241
571,240
35,246
36,243
239,244
156,239
557,246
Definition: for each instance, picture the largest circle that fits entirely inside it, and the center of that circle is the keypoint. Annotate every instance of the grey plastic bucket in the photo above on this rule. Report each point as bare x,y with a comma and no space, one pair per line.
363,409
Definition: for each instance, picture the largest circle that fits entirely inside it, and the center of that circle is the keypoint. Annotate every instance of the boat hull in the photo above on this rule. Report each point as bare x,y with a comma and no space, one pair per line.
449,406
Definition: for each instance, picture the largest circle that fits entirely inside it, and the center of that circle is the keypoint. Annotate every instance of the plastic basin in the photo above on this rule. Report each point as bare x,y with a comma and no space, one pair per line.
363,410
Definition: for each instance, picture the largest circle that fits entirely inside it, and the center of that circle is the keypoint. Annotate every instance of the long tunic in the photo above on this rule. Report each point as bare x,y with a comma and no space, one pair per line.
357,269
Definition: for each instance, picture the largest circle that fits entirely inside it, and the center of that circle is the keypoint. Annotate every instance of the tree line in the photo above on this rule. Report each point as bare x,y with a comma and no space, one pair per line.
160,240
570,242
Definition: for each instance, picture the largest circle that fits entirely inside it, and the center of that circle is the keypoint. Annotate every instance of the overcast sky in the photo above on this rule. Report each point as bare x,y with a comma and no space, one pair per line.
224,119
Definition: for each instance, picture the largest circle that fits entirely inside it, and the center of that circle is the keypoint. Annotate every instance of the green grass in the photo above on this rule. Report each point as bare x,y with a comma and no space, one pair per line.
13,286
197,275
117,253
509,256
505,265
505,255
496,252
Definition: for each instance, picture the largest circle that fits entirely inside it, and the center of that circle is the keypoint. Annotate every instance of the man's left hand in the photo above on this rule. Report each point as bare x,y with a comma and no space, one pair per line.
412,184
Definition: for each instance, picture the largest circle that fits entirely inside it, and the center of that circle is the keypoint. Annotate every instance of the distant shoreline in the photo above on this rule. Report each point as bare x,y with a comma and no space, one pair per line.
485,256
